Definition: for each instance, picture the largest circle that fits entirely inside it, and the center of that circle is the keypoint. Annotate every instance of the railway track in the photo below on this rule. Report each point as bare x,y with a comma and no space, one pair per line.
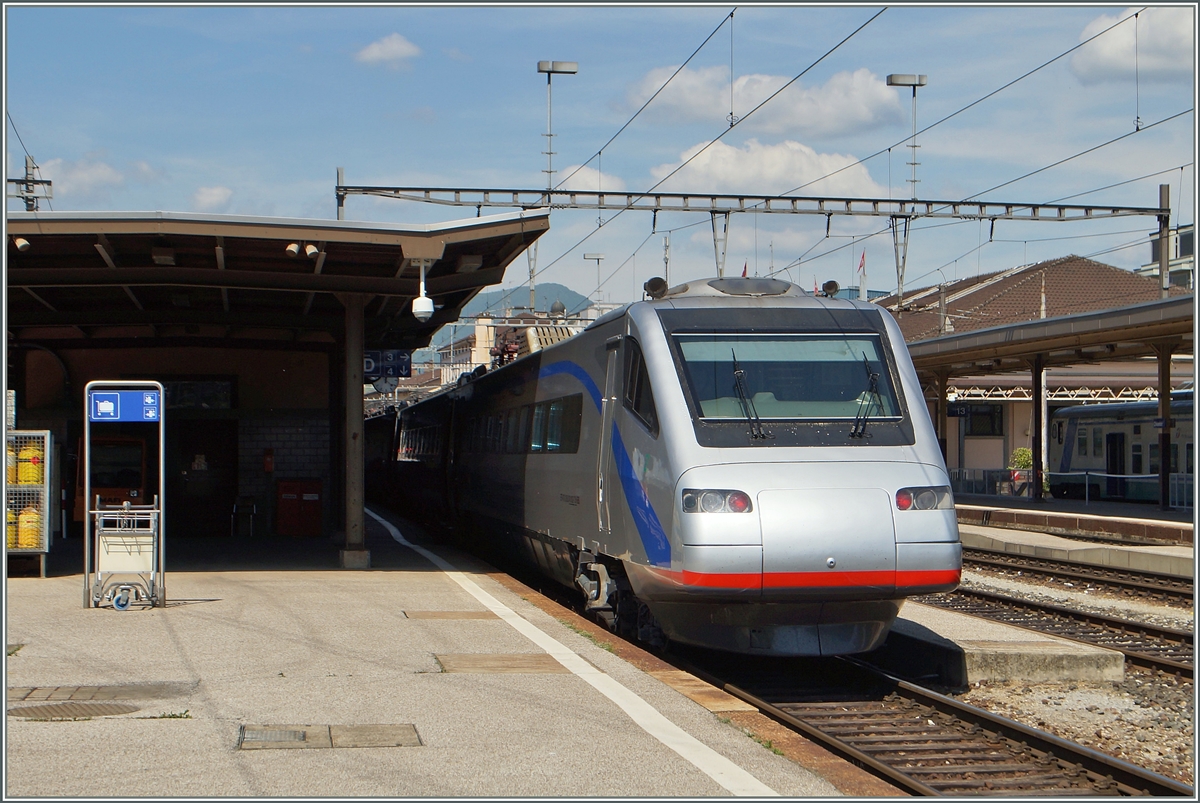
923,742
1150,585
1160,648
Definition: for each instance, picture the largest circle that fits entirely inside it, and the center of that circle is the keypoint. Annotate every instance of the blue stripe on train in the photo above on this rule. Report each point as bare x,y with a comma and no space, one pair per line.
650,529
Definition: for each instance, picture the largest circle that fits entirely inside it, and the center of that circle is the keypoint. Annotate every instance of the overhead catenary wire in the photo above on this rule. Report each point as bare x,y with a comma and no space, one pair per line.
36,166
691,158
727,18
1012,181
964,108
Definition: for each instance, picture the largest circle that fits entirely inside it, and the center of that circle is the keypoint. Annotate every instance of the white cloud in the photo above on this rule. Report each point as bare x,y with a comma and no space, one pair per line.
588,179
82,179
759,168
392,49
1165,47
143,171
848,101
211,199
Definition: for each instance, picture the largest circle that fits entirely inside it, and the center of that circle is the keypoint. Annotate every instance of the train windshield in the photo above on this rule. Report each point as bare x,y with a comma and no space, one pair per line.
788,376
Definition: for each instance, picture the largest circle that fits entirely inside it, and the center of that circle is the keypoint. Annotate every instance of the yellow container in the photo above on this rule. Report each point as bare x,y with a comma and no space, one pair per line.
12,528
29,528
11,461
30,464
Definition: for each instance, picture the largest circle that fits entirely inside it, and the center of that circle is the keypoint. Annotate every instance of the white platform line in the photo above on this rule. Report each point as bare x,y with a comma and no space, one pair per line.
716,766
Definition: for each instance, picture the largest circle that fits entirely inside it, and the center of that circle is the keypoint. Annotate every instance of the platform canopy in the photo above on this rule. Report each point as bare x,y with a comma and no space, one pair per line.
96,278
1122,333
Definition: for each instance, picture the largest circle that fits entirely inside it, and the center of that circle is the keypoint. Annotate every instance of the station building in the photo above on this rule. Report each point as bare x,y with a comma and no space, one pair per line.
256,328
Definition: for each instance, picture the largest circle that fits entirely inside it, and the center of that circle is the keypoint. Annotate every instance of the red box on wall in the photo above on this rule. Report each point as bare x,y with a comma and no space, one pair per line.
298,508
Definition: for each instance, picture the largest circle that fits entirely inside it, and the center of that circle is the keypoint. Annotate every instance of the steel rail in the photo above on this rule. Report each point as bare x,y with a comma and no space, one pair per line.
1108,623
1154,582
1029,746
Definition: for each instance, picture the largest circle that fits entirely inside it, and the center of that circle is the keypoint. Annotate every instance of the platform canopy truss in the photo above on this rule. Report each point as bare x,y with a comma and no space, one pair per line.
89,275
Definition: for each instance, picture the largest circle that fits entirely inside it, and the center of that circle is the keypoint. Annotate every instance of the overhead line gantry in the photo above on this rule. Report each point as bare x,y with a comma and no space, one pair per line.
900,211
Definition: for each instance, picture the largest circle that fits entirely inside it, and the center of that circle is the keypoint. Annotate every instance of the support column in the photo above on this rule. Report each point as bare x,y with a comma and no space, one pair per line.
1039,446
354,555
943,424
1163,351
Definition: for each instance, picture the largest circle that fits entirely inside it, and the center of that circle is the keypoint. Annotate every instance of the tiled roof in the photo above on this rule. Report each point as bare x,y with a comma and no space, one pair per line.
1073,285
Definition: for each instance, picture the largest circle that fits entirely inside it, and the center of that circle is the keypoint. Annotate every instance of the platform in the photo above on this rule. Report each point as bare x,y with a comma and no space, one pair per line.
405,680
1107,520
955,649
932,645
1179,561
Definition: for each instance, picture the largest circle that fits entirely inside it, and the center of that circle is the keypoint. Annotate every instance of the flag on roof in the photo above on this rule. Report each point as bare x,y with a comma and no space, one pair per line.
744,266
862,263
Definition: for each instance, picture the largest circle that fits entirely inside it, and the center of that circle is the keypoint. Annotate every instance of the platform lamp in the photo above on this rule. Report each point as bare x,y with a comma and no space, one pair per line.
551,69
901,245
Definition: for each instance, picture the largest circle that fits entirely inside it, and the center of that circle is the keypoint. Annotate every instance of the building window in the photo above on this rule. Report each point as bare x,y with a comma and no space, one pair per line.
985,420
1083,443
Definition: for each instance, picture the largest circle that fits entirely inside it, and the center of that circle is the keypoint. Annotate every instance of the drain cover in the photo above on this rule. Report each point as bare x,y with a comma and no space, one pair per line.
273,736
71,710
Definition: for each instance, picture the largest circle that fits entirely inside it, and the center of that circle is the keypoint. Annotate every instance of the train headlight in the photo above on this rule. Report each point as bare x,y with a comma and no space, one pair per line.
715,501
936,498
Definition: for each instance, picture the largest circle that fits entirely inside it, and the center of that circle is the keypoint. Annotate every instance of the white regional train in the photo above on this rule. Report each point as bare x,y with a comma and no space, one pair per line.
1118,445
734,464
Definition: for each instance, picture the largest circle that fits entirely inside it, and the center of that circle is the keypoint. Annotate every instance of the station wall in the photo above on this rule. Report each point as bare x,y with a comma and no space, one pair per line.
227,409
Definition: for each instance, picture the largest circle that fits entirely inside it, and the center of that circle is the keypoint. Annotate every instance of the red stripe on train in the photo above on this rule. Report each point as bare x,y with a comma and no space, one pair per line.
745,581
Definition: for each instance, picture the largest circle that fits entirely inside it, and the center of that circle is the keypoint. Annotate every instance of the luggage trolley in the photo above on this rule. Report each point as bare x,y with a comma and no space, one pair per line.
123,545
126,560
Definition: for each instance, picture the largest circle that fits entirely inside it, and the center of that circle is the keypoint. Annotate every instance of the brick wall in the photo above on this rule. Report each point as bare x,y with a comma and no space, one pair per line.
301,445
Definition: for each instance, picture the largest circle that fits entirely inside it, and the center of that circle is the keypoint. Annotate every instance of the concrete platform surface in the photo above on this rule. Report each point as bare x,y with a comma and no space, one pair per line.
1118,521
956,650
241,663
1178,560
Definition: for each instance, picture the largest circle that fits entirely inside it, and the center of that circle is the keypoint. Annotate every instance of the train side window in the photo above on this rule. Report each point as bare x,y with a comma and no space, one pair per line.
1187,451
526,427
639,398
1098,442
1137,429
537,435
1154,458
563,421
1174,458
511,430
1137,458
1083,443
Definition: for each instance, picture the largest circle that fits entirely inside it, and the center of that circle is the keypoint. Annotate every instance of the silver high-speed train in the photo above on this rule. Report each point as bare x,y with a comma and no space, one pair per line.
735,464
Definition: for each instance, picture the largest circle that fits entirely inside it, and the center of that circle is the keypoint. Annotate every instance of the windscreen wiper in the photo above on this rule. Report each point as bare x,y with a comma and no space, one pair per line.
739,385
859,428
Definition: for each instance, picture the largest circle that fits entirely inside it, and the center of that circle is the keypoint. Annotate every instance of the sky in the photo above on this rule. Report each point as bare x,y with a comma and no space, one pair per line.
250,110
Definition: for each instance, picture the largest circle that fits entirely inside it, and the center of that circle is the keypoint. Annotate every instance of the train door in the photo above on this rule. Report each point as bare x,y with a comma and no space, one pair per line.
1114,463
605,477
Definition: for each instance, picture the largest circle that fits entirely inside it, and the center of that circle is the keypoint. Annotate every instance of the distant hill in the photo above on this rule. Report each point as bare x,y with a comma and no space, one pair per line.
498,302
545,295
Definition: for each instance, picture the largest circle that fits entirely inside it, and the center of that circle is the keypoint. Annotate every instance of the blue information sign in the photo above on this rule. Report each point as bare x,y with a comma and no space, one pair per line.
388,362
124,405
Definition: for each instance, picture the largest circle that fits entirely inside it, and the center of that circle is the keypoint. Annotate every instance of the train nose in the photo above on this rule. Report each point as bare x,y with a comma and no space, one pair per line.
831,542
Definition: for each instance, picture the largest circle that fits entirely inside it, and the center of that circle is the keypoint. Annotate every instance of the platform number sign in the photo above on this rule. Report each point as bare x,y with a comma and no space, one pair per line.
386,363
